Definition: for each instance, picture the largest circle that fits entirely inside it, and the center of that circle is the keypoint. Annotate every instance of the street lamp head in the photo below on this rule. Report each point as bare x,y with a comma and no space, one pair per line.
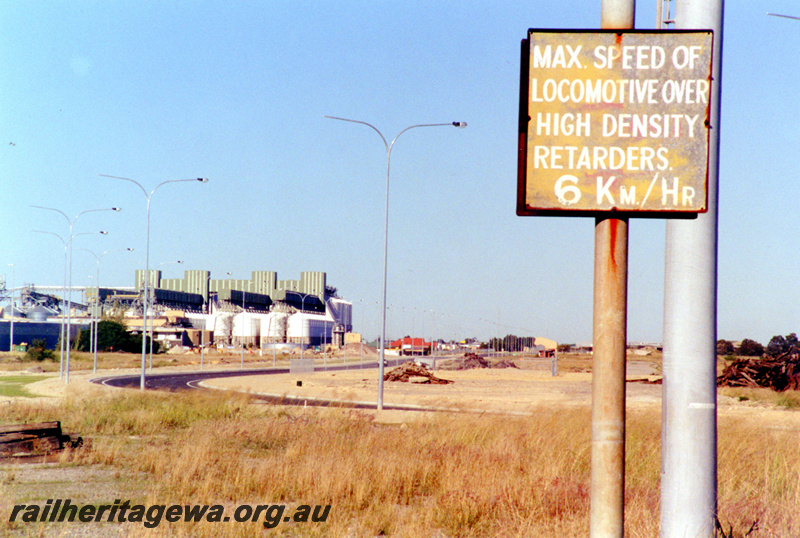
460,124
117,209
130,249
103,232
202,179
179,261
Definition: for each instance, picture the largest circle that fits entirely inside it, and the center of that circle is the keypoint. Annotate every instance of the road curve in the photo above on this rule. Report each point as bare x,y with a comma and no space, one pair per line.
190,380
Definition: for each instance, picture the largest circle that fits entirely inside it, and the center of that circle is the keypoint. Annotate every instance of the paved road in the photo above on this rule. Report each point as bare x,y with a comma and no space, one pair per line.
190,380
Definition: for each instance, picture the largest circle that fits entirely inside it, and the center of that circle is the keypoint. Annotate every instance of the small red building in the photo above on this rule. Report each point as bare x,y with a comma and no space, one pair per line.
412,346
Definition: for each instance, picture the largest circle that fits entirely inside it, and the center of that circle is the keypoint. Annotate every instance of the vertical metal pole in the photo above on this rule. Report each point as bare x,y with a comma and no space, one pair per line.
68,342
361,344
63,321
93,344
689,403
608,377
146,296
607,492
97,331
13,310
382,351
242,363
91,337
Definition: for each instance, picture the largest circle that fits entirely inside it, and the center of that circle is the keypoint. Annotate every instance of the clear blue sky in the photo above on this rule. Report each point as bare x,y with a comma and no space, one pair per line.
236,91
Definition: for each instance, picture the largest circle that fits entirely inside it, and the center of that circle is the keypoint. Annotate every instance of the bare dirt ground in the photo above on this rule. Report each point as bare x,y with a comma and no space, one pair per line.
496,390
510,390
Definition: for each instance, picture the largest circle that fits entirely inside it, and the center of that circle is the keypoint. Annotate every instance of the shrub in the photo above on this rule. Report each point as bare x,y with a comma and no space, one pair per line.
38,351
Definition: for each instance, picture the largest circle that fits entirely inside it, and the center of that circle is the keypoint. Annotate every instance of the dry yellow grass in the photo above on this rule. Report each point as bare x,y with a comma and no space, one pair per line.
438,475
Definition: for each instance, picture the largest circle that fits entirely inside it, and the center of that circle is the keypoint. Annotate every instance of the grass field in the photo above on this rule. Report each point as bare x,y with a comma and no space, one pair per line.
437,475
14,385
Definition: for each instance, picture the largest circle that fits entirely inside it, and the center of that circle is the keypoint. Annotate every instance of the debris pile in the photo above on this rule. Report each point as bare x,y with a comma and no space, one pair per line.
34,439
356,349
779,373
472,361
408,370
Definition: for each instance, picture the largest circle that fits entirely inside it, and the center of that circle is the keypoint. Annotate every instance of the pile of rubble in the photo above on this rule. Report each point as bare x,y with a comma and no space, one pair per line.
356,350
472,361
778,373
411,372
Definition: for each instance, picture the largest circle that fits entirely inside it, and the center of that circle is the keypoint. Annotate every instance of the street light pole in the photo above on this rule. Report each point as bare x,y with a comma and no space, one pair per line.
66,251
389,146
302,326
93,343
13,277
61,344
241,365
147,260
152,320
69,291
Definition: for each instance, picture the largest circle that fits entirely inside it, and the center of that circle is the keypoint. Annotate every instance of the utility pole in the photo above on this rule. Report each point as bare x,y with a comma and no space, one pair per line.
689,393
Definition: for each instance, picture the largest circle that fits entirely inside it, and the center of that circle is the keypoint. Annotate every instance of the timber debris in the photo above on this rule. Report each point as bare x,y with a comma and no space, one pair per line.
36,439
471,361
777,373
408,370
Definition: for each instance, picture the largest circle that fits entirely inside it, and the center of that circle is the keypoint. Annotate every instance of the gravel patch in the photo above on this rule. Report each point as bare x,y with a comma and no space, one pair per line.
35,483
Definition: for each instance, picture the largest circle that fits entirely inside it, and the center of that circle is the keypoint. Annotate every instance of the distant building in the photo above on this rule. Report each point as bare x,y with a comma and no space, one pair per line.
412,346
260,312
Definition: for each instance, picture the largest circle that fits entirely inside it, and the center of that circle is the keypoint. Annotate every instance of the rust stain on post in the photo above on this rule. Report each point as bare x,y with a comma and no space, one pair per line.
613,244
607,492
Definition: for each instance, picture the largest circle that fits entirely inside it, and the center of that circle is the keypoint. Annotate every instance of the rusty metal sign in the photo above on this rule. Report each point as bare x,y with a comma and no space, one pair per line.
614,121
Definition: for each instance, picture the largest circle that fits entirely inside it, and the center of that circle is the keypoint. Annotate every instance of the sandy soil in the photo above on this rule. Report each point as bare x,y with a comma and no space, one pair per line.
509,390
480,390
483,390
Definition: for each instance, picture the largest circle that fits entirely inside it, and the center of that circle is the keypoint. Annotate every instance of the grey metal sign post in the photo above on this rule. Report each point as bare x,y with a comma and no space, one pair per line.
689,393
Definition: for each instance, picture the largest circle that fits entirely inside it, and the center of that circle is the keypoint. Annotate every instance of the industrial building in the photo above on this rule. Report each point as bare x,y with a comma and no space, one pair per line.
262,312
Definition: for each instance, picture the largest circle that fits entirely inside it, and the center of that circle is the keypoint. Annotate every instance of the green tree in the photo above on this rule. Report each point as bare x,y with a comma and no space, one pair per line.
777,346
750,348
113,336
725,347
792,341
